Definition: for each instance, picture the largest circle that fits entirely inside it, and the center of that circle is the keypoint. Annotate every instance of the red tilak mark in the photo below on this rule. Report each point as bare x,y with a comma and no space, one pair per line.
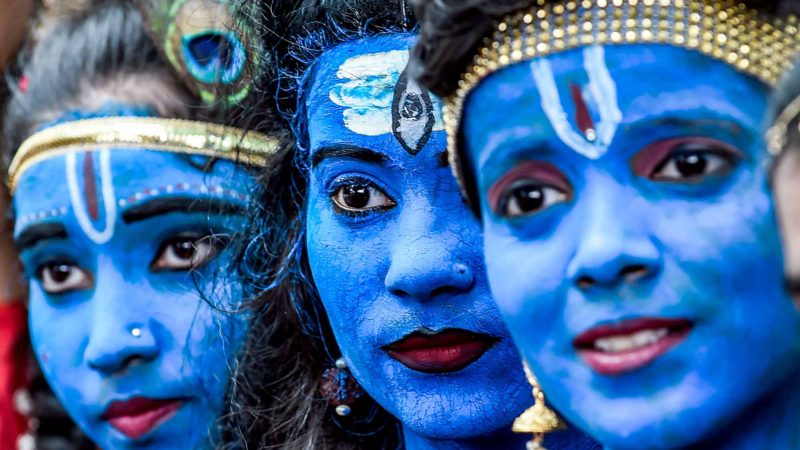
89,186
582,116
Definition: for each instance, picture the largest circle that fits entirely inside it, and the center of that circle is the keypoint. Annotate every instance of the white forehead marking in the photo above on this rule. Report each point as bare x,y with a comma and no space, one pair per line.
603,93
107,191
367,92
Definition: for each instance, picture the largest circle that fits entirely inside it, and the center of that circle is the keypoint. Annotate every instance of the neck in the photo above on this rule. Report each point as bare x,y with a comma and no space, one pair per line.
770,423
509,440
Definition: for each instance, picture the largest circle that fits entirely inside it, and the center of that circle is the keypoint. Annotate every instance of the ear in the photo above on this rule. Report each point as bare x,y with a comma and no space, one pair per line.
212,46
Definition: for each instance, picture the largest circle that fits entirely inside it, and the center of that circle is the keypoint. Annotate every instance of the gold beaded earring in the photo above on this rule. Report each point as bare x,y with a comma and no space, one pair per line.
538,419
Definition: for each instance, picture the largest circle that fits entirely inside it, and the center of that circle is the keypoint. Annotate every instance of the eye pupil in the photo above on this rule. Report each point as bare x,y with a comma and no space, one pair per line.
529,198
691,164
356,196
184,249
61,272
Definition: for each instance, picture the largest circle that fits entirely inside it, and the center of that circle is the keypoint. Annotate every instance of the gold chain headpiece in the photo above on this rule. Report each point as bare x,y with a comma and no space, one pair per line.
725,30
143,133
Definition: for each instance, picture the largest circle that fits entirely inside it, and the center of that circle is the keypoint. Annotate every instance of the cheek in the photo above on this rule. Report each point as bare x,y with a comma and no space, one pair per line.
332,259
193,323
213,344
348,267
58,344
323,244
724,260
525,277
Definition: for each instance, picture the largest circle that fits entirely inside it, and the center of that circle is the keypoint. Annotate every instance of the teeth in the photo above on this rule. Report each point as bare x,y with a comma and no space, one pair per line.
633,341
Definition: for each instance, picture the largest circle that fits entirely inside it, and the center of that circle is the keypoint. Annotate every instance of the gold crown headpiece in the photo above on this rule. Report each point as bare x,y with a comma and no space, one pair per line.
143,133
725,30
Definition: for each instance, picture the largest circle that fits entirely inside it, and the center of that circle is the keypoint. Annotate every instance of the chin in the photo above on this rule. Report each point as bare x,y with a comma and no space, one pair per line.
456,415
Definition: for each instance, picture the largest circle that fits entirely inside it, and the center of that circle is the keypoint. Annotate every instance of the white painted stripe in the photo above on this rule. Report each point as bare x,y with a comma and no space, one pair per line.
107,192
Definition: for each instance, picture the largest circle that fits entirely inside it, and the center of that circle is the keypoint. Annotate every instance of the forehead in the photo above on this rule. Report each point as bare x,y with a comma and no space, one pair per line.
52,187
641,81
360,94
374,63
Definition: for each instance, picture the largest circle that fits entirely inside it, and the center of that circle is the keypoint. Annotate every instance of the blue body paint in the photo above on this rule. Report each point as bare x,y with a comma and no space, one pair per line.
115,312
393,250
668,217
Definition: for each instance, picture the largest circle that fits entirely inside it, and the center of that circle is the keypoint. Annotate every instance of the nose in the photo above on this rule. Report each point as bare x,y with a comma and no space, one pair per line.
118,337
112,351
427,264
614,249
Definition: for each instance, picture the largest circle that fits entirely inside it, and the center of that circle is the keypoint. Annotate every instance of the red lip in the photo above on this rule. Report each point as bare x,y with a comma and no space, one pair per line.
638,342
446,351
138,416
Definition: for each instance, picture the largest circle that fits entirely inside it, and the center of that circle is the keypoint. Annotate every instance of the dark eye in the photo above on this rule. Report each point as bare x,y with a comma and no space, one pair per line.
527,197
528,188
361,196
691,162
62,277
186,252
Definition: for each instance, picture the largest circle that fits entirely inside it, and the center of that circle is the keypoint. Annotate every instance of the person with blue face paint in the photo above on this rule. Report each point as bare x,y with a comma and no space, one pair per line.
614,153
123,205
393,252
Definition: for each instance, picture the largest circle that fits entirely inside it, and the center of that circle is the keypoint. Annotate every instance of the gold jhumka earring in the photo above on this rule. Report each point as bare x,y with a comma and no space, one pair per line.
538,419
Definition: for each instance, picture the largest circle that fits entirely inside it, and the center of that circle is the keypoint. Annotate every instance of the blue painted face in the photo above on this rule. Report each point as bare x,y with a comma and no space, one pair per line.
630,239
117,256
395,253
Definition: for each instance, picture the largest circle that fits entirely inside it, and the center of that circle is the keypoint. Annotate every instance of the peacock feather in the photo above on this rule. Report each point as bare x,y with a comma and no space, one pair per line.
211,44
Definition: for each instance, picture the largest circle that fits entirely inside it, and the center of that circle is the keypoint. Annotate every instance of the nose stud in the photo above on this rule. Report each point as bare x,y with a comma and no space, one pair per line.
136,332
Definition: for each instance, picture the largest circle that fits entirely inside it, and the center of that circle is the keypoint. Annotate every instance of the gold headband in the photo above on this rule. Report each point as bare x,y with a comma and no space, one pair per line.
724,30
143,133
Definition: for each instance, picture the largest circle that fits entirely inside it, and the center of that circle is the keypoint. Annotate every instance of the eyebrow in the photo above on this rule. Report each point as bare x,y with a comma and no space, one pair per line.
347,151
32,235
160,206
731,124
